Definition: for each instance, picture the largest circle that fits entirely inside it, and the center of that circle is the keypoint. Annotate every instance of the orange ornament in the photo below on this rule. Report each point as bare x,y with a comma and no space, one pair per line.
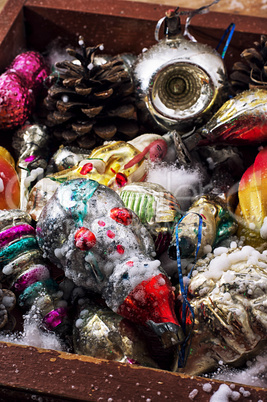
252,194
9,182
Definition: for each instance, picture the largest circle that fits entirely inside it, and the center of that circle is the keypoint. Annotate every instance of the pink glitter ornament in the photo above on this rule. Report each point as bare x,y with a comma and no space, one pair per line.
16,100
31,65
20,85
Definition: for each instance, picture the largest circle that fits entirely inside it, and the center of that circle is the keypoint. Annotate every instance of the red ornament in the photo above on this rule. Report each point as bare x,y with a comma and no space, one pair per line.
120,179
84,239
151,300
110,234
87,168
16,100
121,215
240,121
120,249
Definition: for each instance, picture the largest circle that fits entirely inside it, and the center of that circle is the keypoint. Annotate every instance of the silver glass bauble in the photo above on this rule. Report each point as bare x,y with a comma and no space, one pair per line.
179,83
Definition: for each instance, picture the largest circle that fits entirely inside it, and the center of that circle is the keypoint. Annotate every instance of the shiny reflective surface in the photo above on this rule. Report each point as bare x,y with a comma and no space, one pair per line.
179,83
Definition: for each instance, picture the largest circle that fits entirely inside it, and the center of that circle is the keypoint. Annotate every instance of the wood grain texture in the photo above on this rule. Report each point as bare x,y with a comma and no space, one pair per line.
257,8
30,373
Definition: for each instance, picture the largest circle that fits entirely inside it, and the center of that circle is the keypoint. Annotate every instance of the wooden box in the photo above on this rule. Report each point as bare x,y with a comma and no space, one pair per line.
28,373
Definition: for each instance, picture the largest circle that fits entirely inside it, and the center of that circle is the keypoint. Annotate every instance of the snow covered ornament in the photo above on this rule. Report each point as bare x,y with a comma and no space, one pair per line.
228,294
118,260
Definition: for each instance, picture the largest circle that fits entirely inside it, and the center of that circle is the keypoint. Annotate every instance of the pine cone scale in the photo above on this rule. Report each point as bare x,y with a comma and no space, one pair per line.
92,112
82,128
104,94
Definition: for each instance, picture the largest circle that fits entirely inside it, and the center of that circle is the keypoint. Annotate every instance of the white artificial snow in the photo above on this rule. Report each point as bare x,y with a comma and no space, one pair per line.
207,387
183,183
1,185
225,394
223,261
255,374
193,394
65,98
32,335
263,229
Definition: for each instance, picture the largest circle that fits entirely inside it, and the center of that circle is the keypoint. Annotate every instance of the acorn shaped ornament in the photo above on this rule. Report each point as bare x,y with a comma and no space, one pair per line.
86,230
179,82
91,102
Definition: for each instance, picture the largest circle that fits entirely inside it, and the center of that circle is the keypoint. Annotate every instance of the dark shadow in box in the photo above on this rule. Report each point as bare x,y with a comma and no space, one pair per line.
28,373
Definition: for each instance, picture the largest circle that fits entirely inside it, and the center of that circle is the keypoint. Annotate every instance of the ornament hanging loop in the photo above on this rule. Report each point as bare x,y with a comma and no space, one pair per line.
172,22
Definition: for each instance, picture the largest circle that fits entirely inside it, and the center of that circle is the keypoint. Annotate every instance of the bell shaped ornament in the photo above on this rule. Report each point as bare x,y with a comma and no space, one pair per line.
179,83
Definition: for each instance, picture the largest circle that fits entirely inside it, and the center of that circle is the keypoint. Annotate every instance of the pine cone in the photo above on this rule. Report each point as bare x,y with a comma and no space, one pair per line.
91,103
252,71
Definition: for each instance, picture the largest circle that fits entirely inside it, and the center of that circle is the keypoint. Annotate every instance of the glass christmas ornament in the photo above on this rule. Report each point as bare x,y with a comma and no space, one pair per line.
179,83
114,164
17,101
227,293
217,224
19,87
157,209
32,144
101,333
242,120
24,270
66,158
119,265
32,66
252,195
9,182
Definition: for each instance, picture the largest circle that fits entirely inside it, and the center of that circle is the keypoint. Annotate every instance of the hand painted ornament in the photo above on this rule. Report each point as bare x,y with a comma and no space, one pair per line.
9,181
114,165
228,295
23,269
242,120
179,83
86,230
7,303
19,87
216,224
156,208
32,144
101,333
252,192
